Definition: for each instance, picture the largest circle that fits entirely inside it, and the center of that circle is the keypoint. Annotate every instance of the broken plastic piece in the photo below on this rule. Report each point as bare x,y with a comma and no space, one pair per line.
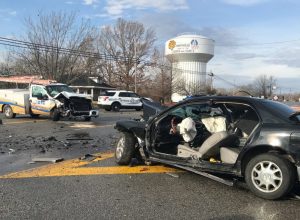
11,151
47,159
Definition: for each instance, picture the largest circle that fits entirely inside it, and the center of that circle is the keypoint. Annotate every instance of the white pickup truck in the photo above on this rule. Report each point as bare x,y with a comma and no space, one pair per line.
54,100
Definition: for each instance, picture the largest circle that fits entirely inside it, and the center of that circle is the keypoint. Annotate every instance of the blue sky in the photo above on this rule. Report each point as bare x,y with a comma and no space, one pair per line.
252,37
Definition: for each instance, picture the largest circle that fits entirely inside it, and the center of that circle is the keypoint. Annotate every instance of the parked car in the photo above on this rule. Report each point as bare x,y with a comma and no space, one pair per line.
223,138
120,99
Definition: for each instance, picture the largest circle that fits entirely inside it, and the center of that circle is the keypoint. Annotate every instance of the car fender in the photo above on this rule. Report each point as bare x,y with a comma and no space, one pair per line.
137,128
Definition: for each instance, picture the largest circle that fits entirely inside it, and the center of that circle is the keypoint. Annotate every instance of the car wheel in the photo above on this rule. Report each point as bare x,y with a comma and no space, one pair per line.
115,107
125,149
8,112
55,114
270,176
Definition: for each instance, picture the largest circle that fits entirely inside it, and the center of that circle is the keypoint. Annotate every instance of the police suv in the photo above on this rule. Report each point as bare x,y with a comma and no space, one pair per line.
120,99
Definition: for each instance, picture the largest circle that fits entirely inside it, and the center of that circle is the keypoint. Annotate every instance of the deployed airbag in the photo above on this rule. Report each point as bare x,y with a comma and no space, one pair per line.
215,124
187,129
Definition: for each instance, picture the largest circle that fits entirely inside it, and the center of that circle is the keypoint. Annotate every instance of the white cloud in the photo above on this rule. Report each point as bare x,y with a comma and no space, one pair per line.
244,2
5,12
13,13
116,8
90,2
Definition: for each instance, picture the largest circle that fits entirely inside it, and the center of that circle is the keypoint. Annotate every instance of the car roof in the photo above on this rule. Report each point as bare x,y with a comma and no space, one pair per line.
267,109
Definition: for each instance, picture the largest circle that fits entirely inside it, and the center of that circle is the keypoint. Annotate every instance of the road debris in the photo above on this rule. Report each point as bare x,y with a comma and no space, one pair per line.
11,151
173,175
47,159
89,157
79,139
51,138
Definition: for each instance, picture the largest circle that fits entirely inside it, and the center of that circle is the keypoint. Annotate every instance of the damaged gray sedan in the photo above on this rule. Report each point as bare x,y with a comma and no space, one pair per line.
223,138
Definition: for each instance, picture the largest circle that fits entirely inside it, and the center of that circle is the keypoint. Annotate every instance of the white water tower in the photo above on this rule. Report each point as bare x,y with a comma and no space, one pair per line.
189,54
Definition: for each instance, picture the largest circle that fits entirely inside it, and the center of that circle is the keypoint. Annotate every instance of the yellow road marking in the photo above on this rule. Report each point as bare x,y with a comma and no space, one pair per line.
76,167
21,122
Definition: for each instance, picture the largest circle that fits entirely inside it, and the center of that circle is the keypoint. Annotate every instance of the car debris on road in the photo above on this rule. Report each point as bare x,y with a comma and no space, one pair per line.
47,159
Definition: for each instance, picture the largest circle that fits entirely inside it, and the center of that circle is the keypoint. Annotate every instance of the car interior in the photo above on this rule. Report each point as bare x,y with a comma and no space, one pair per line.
214,132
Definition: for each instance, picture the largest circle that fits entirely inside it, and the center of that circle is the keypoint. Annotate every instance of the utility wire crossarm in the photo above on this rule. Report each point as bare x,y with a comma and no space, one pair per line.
26,80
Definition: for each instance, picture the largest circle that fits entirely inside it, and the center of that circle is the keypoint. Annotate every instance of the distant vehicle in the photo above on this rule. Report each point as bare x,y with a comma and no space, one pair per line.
120,99
222,138
55,100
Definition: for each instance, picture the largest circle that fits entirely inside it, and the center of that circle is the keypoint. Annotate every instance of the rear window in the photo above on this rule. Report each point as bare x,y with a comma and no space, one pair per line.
133,95
110,93
279,108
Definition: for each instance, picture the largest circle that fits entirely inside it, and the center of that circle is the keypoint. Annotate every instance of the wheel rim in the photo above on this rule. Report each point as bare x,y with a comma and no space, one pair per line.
7,111
120,148
116,107
266,176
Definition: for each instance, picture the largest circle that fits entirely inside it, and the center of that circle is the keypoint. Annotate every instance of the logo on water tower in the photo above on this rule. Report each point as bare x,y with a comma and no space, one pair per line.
194,44
172,44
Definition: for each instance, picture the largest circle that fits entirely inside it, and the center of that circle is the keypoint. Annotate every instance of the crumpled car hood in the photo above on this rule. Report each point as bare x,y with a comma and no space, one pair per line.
70,94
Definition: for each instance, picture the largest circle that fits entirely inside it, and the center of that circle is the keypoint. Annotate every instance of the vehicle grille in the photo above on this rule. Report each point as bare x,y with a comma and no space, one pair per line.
80,104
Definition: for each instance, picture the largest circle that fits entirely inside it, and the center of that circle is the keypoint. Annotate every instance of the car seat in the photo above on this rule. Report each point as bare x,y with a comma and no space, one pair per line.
229,155
210,147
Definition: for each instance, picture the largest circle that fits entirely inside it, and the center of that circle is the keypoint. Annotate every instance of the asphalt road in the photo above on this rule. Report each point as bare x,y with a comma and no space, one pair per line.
98,189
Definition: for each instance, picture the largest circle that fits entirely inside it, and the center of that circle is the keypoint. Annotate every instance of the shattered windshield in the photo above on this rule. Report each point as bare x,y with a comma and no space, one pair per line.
53,90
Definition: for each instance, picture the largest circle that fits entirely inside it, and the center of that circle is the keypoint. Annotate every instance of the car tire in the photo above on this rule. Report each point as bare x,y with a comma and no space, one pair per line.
55,114
8,112
125,149
270,176
116,107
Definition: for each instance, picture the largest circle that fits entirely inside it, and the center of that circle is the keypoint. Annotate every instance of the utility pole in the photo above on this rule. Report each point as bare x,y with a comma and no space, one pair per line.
135,67
211,80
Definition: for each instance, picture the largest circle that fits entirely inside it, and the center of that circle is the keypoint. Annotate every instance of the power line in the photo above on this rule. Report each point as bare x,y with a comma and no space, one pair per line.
88,54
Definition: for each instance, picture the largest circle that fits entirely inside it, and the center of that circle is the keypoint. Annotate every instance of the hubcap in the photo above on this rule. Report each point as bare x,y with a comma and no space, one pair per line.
120,148
266,176
7,111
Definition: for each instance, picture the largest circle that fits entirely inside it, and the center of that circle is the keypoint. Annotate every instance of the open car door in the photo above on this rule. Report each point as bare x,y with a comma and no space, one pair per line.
151,109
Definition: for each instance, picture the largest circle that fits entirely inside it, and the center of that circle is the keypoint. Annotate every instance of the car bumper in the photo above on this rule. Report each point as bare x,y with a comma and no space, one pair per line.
91,113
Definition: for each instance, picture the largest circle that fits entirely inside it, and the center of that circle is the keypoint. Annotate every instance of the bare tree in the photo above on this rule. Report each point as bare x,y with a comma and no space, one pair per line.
48,35
121,43
162,81
264,85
